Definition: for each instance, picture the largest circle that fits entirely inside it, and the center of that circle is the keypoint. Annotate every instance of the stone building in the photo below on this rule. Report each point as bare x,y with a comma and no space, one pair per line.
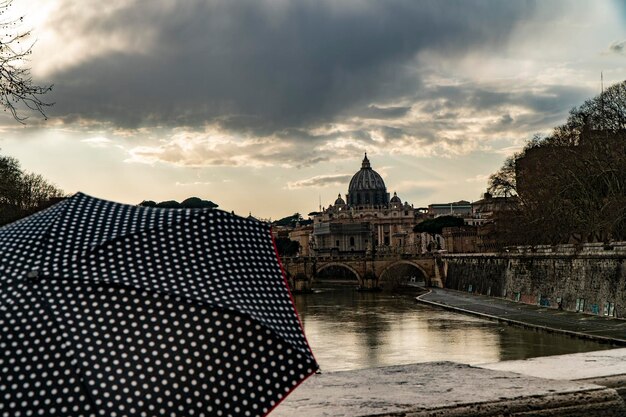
479,234
302,235
461,239
368,219
458,208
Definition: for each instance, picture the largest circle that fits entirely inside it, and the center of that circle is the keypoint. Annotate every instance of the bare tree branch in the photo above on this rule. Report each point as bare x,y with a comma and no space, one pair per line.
571,185
16,84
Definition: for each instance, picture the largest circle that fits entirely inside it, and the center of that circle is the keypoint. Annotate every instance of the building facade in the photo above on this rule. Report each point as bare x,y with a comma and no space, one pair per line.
482,227
458,208
367,220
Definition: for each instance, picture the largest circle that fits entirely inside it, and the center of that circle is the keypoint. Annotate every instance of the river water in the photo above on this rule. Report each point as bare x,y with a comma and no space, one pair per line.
348,330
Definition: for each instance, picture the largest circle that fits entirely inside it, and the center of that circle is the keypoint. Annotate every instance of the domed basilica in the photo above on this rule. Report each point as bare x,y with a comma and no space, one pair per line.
366,187
366,220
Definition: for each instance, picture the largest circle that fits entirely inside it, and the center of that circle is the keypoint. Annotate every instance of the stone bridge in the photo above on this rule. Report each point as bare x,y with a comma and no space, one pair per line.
371,272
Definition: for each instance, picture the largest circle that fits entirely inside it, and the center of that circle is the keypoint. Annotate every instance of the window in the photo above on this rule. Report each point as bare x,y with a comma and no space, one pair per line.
351,241
336,243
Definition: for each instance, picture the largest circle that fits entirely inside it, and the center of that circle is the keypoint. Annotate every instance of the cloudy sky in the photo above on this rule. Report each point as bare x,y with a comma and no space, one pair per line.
267,106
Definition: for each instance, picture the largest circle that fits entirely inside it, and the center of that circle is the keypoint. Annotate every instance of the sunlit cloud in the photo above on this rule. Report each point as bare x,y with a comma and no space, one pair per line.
127,33
192,184
478,178
320,181
98,142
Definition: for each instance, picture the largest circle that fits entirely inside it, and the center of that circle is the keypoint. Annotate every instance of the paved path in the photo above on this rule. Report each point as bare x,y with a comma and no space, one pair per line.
589,326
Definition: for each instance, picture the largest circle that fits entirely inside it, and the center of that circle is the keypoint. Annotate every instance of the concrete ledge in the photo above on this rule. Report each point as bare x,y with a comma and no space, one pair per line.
446,389
606,368
575,366
618,383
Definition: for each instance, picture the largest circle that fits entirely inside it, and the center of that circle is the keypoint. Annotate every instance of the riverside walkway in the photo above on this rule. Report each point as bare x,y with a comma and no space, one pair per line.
588,326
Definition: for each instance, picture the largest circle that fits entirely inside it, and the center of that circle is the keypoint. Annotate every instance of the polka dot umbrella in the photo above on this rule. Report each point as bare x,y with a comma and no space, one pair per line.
115,310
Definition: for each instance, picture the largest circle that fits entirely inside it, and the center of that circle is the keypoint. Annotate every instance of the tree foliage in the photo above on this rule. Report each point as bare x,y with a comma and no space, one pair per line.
435,226
16,84
289,221
195,202
287,247
22,193
192,202
571,184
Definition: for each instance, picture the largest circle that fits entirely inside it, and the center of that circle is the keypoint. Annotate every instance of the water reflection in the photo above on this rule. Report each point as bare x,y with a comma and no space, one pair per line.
351,330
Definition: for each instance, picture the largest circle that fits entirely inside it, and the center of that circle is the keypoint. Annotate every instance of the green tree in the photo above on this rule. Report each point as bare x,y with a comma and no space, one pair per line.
289,221
195,202
287,247
191,202
436,225
170,204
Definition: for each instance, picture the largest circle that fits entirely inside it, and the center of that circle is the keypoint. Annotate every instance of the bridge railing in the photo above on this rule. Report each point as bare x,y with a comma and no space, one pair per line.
351,257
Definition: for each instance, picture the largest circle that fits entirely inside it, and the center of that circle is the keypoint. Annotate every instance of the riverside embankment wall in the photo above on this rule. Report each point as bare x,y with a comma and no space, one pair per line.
589,278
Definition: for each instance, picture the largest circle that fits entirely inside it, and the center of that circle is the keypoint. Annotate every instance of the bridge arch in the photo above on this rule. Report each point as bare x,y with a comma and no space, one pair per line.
341,265
382,277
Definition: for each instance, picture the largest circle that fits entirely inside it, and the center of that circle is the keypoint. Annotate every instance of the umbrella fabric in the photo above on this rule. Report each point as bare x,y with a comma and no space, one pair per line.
115,310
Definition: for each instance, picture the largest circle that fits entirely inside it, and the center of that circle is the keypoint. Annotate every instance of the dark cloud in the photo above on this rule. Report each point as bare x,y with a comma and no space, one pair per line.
542,107
375,112
538,99
504,122
451,119
264,66
618,47
391,132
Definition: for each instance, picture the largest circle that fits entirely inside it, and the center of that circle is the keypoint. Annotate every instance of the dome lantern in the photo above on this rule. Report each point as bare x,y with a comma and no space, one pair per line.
366,162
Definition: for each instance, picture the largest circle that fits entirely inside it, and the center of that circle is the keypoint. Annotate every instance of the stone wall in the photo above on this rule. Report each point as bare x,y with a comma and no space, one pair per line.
479,273
460,239
589,278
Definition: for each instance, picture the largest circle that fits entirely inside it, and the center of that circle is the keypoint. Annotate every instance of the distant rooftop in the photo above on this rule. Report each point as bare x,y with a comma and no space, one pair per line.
455,204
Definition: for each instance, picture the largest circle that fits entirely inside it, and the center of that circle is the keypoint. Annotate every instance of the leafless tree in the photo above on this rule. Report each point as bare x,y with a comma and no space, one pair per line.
571,184
503,182
16,84
22,193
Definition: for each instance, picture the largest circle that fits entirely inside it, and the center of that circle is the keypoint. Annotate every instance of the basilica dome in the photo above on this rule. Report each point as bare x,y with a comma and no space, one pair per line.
367,187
